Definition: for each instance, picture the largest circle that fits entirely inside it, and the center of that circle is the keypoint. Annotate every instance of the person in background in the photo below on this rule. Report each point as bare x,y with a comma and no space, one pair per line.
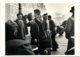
21,28
47,41
45,17
60,30
69,30
53,33
25,24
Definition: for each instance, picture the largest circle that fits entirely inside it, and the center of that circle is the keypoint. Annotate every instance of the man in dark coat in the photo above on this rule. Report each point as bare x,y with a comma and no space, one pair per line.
53,33
69,29
33,29
40,39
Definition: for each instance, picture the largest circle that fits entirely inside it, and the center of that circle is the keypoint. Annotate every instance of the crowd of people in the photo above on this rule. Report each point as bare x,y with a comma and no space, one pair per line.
42,32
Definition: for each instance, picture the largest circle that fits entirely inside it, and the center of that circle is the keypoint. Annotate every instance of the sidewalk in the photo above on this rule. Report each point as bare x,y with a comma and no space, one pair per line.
62,42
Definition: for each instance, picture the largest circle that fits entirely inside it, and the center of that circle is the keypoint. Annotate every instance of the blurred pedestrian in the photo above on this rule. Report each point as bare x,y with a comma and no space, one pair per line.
53,32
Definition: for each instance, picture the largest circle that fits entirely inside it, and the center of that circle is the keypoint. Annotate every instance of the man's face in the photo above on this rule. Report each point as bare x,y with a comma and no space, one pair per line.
36,15
20,17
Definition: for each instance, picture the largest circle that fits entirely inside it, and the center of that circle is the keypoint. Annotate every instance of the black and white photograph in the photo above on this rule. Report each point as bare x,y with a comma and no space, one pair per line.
39,29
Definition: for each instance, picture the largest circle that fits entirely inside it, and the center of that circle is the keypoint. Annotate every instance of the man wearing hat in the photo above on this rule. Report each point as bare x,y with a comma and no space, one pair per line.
53,33
69,30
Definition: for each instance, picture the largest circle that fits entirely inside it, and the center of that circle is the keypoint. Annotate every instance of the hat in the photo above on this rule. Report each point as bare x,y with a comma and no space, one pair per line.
72,9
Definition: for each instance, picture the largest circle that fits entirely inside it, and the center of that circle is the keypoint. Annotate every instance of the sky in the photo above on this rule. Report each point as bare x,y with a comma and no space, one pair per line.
59,11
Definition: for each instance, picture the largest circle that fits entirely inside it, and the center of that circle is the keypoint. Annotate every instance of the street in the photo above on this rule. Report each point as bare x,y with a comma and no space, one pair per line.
62,42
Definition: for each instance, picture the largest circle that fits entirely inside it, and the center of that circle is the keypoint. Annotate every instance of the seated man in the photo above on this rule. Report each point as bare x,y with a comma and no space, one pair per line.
15,46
